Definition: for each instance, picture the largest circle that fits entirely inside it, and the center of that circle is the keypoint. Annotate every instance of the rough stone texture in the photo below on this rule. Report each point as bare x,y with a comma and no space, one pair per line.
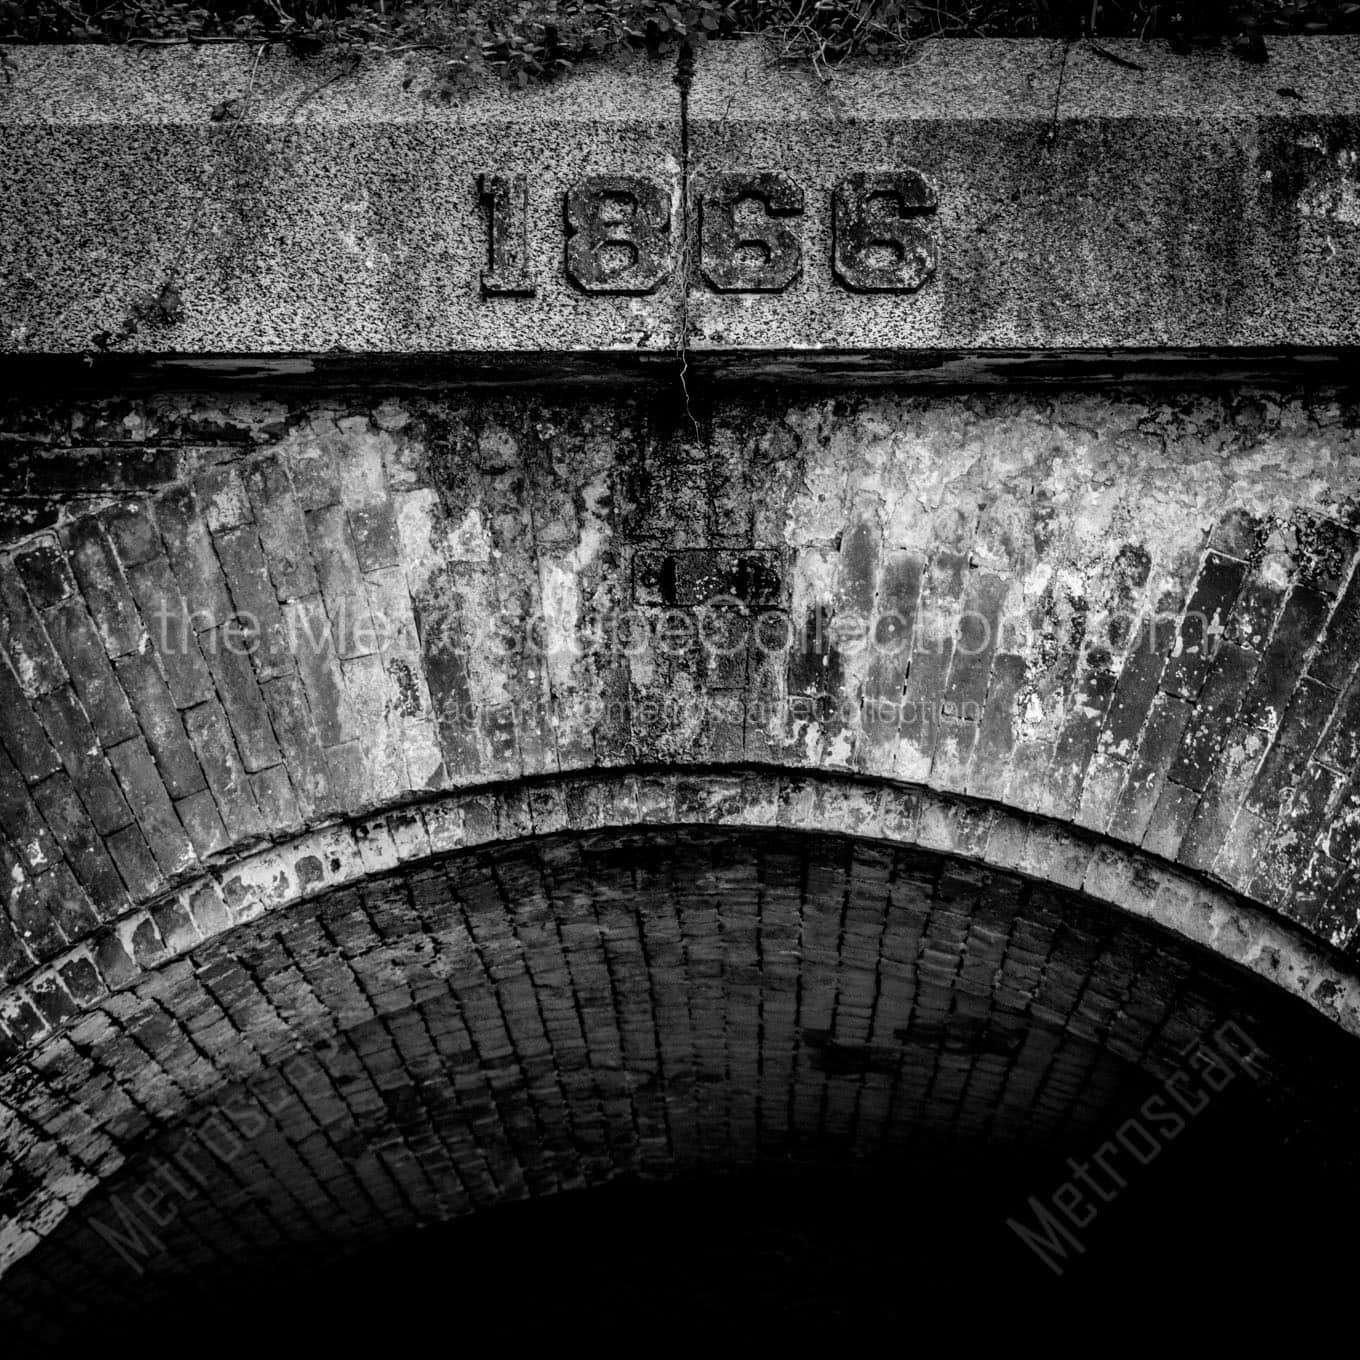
1196,202
341,211
1203,202
549,1015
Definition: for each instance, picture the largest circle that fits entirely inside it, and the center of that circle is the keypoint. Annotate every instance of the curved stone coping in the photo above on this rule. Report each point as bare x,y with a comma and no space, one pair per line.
337,856
236,200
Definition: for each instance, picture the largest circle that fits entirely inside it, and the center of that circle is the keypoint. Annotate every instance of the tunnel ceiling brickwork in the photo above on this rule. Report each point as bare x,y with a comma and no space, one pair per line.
524,1018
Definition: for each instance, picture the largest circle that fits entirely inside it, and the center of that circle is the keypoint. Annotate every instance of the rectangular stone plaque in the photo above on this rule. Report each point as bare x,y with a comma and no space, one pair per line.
978,198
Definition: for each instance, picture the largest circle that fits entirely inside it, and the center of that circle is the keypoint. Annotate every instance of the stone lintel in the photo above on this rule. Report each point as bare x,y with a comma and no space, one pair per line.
979,204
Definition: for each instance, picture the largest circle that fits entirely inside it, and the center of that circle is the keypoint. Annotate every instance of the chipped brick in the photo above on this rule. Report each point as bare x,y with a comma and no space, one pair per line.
161,724
1200,634
282,528
106,593
192,559
171,626
45,575
83,759
146,795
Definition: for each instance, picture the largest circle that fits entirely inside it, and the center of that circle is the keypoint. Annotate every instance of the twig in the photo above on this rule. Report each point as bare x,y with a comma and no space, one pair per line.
190,42
311,94
1057,94
1114,56
250,87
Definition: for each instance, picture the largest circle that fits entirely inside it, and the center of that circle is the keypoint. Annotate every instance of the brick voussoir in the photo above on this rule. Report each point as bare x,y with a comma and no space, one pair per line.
161,724
36,664
170,625
146,794
192,558
252,591
103,587
1201,628
1338,653
1300,730
244,889
72,631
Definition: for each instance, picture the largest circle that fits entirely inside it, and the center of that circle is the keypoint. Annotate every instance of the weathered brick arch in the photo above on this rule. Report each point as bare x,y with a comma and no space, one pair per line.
547,984
443,786
1136,615
273,880
1040,577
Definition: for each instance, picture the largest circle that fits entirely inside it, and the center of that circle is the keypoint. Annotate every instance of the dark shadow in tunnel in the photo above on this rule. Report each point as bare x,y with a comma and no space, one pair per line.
822,1258
1046,1145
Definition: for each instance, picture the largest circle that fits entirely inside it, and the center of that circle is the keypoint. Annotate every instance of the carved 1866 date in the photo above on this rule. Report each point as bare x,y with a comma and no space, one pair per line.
620,234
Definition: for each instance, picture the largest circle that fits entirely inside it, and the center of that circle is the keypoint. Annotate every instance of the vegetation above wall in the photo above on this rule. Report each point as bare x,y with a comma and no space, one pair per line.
524,40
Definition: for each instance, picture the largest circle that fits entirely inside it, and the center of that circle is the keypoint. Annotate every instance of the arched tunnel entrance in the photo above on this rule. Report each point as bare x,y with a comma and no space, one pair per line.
689,701
714,851
745,1073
